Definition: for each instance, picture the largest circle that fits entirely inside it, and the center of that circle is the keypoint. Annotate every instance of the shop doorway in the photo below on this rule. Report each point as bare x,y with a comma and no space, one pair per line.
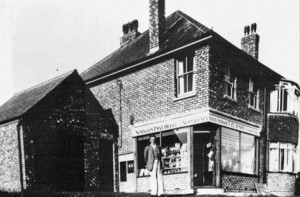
204,159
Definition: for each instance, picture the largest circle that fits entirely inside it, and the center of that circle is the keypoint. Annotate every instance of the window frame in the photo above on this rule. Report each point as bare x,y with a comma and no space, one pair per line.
230,83
282,165
253,92
255,173
186,59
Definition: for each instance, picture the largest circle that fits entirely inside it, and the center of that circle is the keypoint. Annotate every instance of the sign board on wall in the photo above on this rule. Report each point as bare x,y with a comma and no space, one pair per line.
192,119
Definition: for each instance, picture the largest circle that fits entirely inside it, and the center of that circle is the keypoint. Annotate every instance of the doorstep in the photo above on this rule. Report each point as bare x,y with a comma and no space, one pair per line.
209,191
179,192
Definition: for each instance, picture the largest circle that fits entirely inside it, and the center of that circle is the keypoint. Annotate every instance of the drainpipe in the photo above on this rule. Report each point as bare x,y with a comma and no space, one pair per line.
266,135
119,83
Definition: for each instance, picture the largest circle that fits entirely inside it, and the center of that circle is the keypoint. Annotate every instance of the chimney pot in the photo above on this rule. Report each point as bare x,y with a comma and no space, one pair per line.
125,29
130,31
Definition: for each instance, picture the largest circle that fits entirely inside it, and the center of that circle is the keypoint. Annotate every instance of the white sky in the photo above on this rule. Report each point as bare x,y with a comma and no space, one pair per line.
40,39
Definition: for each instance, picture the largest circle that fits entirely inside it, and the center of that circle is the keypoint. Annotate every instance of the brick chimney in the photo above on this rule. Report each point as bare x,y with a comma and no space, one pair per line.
130,31
250,42
157,23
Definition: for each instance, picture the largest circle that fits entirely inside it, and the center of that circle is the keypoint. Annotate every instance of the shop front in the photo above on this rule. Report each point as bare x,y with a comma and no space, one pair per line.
200,150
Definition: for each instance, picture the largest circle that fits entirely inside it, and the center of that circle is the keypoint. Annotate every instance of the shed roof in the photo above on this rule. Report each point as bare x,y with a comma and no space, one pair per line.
21,102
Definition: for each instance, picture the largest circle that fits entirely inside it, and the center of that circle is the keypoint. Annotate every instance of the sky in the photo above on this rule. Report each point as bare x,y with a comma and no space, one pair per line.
41,39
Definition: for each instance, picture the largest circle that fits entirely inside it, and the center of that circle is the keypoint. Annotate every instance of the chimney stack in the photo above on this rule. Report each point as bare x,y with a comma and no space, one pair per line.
250,42
130,31
157,23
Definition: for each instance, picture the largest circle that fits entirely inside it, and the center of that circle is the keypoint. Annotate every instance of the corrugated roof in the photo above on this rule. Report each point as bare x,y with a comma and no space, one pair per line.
180,29
23,101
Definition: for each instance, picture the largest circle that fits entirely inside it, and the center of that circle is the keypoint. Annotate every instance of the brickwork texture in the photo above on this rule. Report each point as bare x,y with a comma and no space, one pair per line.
9,158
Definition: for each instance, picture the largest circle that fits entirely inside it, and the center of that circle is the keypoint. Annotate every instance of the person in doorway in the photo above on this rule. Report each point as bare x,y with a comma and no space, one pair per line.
153,159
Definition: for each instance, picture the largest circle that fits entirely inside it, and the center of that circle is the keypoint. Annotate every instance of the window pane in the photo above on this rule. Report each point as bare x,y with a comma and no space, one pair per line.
190,64
181,85
247,154
175,151
230,150
282,159
141,144
185,83
190,82
273,163
180,67
274,101
123,175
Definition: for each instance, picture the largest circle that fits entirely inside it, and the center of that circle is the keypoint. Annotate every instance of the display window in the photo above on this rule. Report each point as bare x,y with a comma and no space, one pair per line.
175,154
238,152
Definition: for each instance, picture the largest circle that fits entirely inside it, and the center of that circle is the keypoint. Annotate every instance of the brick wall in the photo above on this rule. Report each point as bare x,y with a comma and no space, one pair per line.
9,158
236,183
221,57
149,94
238,108
281,183
283,128
171,182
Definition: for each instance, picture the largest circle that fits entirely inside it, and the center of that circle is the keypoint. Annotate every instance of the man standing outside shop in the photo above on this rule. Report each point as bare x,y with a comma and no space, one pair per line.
152,156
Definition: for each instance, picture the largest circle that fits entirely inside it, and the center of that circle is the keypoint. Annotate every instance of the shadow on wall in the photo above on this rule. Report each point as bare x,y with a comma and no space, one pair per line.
297,185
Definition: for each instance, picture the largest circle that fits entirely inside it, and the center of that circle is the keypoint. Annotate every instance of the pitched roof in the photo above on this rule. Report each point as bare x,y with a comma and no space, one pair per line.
180,29
23,101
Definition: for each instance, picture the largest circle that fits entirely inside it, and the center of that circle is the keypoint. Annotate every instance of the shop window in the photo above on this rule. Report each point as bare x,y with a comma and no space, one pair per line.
253,95
185,76
175,154
238,152
123,174
230,85
285,98
248,154
282,157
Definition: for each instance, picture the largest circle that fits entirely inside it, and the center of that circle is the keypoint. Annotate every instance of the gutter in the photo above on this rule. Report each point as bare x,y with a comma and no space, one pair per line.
149,60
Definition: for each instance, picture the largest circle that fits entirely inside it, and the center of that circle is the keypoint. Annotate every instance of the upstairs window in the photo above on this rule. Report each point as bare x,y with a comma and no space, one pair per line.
285,98
185,75
230,85
253,95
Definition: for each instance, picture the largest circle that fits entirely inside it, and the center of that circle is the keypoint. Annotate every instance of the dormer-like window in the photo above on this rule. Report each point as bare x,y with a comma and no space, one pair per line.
230,85
253,95
285,98
185,76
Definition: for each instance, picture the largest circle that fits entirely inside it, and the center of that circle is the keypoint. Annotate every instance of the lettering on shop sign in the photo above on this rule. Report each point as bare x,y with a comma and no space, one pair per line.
171,124
192,120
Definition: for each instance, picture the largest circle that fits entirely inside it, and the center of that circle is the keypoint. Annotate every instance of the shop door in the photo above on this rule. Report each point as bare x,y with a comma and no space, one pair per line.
203,159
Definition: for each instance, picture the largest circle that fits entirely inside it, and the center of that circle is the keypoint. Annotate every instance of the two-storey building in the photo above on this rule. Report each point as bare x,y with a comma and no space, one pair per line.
224,120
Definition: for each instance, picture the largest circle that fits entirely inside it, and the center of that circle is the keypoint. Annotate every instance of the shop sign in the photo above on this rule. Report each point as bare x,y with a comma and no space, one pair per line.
192,120
170,124
226,122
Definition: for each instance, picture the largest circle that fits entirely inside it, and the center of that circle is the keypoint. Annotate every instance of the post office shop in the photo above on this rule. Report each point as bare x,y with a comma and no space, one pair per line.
200,150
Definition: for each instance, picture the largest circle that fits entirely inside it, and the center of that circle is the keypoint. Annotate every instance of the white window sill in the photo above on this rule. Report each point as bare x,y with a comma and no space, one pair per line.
229,98
254,109
186,95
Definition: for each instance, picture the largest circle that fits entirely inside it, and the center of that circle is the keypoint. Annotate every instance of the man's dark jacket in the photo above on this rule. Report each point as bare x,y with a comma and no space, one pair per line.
149,157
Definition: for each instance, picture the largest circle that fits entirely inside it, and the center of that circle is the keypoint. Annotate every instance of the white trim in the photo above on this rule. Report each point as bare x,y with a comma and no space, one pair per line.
196,117
151,59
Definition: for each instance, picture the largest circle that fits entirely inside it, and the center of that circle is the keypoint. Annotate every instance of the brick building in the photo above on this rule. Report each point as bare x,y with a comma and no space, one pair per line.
55,137
198,94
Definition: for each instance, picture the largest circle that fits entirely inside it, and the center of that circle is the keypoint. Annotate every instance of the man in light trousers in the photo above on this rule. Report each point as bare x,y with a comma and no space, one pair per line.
152,156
